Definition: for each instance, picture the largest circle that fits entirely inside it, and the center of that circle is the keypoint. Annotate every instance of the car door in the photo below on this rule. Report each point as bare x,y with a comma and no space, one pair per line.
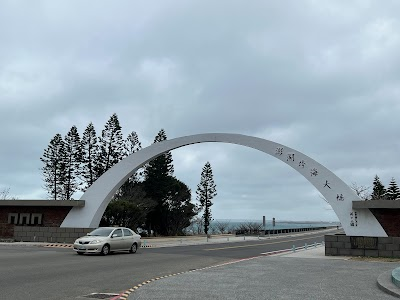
128,238
117,239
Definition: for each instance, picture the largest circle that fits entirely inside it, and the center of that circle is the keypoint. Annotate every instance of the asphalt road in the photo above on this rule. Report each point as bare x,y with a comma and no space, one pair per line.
302,275
56,273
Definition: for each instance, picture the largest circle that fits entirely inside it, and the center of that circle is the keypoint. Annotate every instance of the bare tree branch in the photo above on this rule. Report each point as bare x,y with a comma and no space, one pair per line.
5,194
362,191
222,226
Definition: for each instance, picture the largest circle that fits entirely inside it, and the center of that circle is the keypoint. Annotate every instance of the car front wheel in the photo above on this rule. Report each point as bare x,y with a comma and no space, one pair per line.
133,248
105,250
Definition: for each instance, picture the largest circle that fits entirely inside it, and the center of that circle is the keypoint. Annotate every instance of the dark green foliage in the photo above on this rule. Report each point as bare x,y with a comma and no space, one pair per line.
157,171
152,199
53,170
111,146
89,156
393,192
378,190
132,145
206,191
177,208
162,164
73,158
129,208
173,211
156,184
133,208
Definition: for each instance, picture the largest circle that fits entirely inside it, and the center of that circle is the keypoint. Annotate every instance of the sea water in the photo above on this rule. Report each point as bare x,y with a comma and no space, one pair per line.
231,225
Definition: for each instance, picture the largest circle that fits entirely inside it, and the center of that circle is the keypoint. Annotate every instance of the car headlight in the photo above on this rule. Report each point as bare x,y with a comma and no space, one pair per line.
95,242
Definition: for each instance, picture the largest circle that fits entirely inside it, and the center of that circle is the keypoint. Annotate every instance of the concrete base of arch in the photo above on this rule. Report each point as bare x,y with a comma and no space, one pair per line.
336,192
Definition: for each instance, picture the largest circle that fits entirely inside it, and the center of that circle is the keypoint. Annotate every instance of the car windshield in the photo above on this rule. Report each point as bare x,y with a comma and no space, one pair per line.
101,232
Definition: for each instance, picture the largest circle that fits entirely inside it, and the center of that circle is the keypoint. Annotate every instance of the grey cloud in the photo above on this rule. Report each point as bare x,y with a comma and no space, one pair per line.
318,76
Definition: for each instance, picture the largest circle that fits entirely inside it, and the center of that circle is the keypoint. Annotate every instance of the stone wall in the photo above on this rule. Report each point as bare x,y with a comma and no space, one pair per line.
342,245
48,234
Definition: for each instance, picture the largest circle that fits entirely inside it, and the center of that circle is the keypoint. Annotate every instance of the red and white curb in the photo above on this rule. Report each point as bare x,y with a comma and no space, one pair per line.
58,246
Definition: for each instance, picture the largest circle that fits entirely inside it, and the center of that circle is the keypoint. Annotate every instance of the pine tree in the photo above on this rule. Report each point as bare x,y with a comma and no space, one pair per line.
111,149
129,208
53,170
73,158
206,191
89,156
157,175
393,192
378,191
157,171
163,163
133,145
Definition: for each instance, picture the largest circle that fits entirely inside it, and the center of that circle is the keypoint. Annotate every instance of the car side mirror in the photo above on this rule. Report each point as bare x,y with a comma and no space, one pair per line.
114,235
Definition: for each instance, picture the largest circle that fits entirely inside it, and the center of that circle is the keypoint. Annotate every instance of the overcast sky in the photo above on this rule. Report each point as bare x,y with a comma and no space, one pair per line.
322,77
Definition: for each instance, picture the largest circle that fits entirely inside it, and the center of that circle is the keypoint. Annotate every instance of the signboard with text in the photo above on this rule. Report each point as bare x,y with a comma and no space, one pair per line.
364,242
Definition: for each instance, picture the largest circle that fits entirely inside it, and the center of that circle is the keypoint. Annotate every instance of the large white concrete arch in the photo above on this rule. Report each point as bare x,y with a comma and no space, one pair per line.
337,193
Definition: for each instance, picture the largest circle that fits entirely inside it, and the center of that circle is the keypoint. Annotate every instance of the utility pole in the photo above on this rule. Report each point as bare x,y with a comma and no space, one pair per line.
273,225
264,224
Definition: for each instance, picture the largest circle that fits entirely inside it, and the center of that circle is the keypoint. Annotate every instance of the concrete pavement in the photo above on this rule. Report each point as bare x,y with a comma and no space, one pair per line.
306,274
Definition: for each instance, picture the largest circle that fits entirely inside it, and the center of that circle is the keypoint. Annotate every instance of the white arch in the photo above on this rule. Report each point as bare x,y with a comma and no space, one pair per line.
336,192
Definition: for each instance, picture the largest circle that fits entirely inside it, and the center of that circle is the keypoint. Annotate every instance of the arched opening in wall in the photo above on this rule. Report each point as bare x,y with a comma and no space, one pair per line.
251,185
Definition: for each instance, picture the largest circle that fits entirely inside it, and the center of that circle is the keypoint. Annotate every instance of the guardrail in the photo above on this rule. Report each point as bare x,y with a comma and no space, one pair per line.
280,231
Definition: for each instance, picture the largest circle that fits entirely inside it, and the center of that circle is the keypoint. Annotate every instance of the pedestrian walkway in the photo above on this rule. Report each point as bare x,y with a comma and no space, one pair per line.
306,274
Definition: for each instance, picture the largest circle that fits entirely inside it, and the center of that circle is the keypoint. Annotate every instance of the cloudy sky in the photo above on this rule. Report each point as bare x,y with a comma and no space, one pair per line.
322,77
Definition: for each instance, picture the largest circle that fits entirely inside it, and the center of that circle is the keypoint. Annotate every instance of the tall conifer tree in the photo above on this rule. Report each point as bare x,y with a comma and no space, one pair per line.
378,190
393,192
157,183
157,170
206,191
111,145
53,170
89,157
163,164
73,158
133,145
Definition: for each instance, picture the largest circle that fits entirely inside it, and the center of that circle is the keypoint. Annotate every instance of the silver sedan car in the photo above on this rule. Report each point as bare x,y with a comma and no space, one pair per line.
105,240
